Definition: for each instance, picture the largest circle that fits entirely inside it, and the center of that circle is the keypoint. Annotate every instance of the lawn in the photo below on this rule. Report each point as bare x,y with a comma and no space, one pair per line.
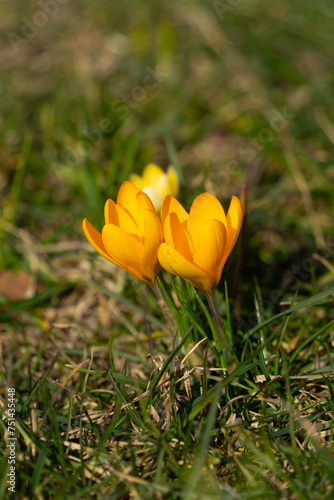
105,396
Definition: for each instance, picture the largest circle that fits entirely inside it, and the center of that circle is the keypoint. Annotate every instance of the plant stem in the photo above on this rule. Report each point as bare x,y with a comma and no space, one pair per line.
164,306
218,324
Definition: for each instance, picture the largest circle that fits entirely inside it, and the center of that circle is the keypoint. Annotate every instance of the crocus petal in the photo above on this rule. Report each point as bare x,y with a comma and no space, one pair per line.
152,173
204,208
154,196
144,202
115,214
234,220
177,236
127,198
124,248
175,263
169,205
95,239
152,240
110,212
126,221
209,250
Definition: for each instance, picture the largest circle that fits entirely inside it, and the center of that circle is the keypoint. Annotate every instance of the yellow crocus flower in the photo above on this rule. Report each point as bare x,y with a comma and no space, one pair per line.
131,235
197,244
156,183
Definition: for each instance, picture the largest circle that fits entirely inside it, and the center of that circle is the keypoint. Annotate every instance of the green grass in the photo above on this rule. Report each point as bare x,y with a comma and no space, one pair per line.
230,97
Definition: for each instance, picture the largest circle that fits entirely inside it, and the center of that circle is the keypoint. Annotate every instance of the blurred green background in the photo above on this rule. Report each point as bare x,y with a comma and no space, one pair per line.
232,92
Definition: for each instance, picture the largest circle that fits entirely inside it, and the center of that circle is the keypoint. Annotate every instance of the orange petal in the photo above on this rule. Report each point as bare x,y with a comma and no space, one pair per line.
169,205
143,201
177,236
127,198
234,220
176,263
124,248
117,215
204,208
210,249
152,241
95,239
110,212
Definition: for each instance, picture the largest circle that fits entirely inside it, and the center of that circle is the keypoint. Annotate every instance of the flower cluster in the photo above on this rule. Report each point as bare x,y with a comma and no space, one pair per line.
194,246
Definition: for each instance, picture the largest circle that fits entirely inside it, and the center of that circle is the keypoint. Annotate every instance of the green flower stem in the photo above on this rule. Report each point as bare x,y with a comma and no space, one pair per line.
164,306
218,324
